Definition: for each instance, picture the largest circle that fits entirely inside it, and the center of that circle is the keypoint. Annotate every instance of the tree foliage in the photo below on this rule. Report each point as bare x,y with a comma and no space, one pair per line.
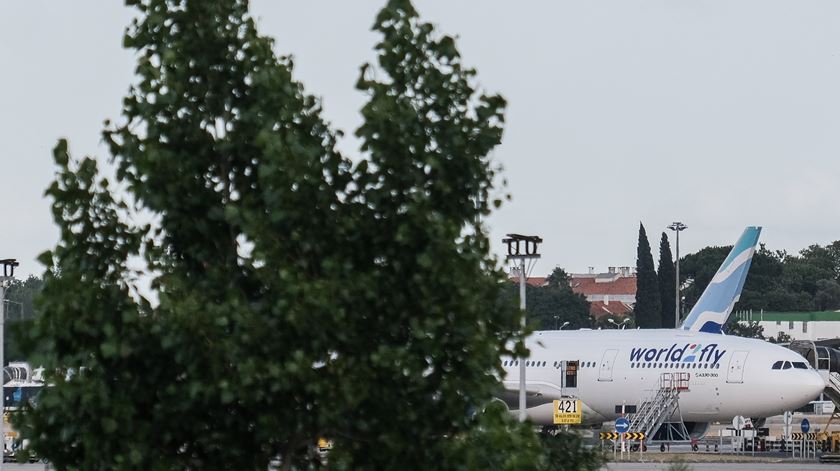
20,312
748,329
781,337
648,309
300,295
667,283
20,298
556,298
777,281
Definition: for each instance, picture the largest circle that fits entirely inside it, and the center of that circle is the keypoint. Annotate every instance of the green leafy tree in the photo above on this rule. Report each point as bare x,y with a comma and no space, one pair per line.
667,283
299,295
648,308
697,270
781,337
20,297
748,329
825,258
557,299
566,451
827,296
764,282
777,280
20,311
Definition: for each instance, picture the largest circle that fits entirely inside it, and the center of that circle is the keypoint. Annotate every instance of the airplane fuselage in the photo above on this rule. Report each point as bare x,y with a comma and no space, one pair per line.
615,370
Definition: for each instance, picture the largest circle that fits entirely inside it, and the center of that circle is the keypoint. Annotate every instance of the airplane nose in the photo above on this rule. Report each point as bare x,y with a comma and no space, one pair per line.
815,385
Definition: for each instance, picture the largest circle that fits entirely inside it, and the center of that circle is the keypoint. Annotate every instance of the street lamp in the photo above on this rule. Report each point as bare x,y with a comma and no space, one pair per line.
522,249
677,227
617,325
8,275
564,325
556,322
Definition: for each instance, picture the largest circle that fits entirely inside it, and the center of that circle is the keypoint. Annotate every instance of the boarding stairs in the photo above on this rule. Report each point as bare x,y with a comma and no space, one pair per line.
832,391
818,356
661,405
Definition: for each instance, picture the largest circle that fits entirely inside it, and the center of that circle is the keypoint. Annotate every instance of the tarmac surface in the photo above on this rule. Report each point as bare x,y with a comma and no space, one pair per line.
753,466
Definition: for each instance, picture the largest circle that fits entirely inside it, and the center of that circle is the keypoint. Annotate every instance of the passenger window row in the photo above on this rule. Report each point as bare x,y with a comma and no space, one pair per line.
529,363
687,366
786,365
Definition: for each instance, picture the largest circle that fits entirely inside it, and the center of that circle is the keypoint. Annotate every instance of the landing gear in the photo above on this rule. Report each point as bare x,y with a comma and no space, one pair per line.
662,448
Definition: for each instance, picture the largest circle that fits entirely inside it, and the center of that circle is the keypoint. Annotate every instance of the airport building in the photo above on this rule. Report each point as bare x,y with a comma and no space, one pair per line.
817,325
611,293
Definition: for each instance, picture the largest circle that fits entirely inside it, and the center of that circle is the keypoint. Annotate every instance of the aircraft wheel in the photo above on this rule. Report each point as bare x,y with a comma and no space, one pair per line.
644,447
694,447
662,448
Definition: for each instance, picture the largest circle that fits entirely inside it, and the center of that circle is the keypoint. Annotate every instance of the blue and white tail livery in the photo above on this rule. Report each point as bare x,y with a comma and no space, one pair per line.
716,303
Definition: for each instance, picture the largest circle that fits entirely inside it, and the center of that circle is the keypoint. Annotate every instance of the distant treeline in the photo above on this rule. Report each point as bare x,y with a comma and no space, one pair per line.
777,281
20,310
552,305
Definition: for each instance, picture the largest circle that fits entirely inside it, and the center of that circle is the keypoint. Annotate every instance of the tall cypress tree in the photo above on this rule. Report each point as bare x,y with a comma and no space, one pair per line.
667,280
648,306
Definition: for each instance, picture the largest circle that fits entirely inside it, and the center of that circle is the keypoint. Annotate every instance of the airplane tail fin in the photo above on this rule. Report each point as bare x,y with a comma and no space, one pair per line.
715,304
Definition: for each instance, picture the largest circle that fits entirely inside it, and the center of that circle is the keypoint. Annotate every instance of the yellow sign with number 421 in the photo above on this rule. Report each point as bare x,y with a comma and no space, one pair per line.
567,411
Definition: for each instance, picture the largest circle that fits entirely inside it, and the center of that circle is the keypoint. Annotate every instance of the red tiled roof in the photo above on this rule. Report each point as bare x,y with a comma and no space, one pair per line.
537,280
588,286
599,309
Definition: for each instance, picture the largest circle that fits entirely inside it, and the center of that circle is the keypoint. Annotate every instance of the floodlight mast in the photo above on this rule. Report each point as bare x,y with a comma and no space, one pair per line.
521,248
677,227
9,265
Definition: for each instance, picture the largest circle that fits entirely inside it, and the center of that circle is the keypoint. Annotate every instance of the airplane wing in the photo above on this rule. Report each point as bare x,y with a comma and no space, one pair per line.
536,393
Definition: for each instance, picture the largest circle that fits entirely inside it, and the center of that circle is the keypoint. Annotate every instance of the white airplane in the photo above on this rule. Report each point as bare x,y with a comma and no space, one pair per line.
720,376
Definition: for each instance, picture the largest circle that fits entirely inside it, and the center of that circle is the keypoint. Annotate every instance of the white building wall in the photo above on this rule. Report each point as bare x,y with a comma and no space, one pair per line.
802,330
624,298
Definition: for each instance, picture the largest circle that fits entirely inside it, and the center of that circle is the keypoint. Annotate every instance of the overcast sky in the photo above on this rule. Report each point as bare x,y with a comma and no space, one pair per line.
716,113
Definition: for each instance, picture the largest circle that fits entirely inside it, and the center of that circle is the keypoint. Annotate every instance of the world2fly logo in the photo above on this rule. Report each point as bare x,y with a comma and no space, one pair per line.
689,353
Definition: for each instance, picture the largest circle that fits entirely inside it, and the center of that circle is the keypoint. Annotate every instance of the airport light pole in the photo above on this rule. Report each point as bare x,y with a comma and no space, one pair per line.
617,325
9,265
564,325
522,249
677,227
556,322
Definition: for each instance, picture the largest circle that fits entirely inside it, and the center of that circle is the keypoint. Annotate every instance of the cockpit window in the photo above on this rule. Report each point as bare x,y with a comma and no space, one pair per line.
778,365
800,365
786,366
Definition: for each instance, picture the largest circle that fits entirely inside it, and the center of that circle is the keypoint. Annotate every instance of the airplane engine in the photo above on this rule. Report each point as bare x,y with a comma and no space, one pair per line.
697,429
758,422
